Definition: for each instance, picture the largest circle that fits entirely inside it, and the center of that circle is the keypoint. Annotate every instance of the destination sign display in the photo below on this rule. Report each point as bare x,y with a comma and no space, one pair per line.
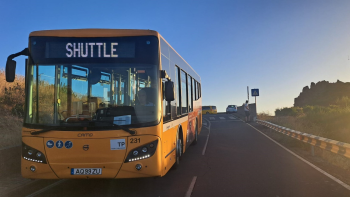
96,49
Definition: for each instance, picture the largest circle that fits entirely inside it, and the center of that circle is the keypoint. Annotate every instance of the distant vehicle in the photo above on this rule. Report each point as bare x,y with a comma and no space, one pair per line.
209,110
231,109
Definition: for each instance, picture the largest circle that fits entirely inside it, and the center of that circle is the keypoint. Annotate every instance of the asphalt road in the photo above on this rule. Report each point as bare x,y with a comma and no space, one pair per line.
238,161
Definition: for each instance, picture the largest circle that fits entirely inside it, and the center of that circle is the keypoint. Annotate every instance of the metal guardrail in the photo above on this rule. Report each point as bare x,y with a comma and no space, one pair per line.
334,146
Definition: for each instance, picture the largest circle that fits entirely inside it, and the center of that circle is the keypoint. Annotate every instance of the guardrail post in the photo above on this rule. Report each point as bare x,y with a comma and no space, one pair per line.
331,145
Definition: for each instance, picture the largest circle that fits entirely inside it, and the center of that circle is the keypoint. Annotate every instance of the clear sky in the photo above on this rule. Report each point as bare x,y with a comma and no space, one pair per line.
277,46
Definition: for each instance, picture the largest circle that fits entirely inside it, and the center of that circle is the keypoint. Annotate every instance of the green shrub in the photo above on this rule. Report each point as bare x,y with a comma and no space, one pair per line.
289,111
343,101
330,122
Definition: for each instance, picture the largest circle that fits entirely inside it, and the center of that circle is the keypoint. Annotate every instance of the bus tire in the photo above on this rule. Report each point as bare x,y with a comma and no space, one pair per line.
178,150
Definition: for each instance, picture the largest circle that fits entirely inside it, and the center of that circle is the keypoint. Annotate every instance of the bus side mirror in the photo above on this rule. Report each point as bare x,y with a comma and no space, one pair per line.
10,70
169,91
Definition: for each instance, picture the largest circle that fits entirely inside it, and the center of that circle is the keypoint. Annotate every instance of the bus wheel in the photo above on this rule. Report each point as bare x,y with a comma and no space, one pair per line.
195,136
178,151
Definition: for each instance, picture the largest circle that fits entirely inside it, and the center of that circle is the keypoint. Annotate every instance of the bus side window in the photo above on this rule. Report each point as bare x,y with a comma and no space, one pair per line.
184,103
178,90
200,90
190,97
197,95
194,89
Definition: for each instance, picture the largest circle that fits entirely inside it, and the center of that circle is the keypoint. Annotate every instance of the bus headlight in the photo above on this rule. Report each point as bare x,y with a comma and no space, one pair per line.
33,155
144,149
38,154
142,152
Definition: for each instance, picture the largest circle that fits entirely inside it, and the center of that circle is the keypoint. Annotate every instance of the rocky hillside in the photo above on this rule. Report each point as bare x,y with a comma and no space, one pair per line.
322,93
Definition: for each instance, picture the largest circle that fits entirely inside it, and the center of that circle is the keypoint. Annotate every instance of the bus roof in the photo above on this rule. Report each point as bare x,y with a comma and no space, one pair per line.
94,33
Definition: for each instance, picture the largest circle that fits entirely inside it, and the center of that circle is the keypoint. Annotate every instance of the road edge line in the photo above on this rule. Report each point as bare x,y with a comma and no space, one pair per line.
190,188
20,186
8,147
304,160
46,188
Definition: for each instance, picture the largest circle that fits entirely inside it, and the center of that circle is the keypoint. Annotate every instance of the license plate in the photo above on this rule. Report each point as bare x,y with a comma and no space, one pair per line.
86,171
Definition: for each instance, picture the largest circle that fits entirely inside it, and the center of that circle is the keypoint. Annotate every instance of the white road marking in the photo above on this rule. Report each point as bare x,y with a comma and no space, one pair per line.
307,162
204,123
46,188
190,189
222,118
8,147
211,118
206,143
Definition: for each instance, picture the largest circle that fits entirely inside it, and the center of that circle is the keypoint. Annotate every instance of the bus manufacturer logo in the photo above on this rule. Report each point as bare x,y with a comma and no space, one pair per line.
86,147
85,134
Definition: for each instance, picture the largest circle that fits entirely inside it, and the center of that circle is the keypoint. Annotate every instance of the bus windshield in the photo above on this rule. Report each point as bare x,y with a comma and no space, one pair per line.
122,94
76,93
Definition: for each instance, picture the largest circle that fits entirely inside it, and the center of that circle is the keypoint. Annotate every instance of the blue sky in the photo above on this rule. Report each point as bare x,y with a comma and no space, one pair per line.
277,46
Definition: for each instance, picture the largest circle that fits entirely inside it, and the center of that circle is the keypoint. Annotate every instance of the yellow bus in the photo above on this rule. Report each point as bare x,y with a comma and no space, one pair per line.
105,103
209,109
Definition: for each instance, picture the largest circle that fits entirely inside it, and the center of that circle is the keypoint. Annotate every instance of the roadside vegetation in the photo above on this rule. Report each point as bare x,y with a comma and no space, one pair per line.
330,122
322,110
12,110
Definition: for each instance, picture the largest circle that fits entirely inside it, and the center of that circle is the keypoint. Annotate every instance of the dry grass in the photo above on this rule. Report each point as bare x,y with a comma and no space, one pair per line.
11,106
335,126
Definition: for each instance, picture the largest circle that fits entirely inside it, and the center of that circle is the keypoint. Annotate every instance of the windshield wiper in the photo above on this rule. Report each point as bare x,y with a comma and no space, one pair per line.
43,131
132,132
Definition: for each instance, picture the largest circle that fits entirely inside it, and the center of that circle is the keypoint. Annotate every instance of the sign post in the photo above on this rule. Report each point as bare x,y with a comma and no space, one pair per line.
255,93
248,93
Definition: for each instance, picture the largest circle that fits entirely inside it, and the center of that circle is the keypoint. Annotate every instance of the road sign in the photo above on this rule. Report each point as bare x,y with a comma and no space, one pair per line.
255,92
